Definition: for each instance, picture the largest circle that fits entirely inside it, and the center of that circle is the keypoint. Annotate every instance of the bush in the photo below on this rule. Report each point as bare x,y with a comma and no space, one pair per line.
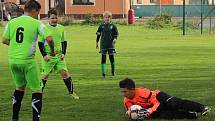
121,22
188,25
90,19
159,22
66,21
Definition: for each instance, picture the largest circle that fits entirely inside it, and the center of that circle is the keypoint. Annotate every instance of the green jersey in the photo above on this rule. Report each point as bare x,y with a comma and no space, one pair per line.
22,33
108,32
57,33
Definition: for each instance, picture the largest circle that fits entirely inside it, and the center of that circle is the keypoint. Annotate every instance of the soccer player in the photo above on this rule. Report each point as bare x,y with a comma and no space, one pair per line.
158,103
21,35
56,63
108,33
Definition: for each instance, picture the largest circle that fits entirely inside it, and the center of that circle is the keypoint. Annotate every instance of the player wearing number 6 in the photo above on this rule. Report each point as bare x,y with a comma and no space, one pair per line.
21,35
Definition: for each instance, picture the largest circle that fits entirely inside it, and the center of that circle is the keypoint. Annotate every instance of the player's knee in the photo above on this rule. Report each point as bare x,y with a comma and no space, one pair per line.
21,88
64,74
45,77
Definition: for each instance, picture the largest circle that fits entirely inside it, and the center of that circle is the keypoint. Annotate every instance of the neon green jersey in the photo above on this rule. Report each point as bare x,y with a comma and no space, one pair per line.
57,33
22,33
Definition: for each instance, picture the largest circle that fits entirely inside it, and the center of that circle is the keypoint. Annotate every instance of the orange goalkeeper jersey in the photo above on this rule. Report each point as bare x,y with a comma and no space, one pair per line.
145,98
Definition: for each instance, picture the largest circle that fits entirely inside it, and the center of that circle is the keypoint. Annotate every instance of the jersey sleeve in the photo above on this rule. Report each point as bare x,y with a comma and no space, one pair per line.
63,35
98,33
154,101
127,104
6,33
43,32
115,32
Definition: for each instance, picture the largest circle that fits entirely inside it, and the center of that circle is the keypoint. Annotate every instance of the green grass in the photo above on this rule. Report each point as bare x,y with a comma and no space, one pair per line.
183,66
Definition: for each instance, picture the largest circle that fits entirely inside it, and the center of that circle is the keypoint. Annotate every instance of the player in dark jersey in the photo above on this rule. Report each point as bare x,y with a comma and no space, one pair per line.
107,33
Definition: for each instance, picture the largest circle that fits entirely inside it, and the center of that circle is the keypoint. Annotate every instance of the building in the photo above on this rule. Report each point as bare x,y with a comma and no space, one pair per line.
78,8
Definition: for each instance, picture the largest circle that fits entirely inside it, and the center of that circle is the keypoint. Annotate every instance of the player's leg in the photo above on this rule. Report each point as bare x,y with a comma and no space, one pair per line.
47,67
174,103
34,80
44,80
103,65
62,68
19,78
67,80
111,53
172,114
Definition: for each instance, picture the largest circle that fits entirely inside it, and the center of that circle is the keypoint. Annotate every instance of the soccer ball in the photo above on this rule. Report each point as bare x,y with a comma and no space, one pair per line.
133,112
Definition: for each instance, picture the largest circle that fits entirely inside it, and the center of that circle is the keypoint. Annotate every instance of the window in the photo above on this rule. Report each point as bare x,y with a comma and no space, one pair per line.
153,1
22,2
51,4
84,2
12,6
139,2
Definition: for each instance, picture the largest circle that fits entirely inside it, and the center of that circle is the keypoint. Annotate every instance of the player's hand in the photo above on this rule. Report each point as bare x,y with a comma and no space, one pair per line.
127,114
97,46
114,41
143,114
47,58
53,53
62,56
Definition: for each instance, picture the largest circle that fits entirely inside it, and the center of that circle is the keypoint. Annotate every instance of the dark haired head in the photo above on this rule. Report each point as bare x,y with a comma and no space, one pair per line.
32,5
127,83
52,11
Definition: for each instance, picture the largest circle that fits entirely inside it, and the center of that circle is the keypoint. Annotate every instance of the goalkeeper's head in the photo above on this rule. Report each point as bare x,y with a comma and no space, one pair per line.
127,88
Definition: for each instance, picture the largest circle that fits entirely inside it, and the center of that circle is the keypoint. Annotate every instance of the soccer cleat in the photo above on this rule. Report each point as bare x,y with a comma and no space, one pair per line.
103,76
206,110
74,95
193,115
113,73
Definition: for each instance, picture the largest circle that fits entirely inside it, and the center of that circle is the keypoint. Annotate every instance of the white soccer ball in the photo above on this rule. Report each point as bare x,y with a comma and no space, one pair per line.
134,109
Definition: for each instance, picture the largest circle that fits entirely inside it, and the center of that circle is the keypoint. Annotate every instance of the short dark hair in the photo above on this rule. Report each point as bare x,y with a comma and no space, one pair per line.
32,5
52,11
127,83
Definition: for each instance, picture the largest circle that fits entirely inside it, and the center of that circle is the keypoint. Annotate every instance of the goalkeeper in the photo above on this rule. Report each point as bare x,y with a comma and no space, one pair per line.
159,104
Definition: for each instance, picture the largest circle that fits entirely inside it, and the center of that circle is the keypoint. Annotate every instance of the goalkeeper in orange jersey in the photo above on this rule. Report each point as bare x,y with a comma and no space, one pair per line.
160,104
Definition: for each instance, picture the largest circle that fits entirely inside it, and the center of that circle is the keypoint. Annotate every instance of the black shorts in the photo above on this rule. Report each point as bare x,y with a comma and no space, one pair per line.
107,51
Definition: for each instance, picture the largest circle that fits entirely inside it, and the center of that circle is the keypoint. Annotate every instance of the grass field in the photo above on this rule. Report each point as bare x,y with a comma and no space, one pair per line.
163,59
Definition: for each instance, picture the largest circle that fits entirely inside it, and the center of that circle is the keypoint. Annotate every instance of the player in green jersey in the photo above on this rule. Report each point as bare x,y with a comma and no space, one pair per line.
21,35
108,33
56,63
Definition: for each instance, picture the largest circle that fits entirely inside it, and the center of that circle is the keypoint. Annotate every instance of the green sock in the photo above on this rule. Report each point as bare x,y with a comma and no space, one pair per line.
103,68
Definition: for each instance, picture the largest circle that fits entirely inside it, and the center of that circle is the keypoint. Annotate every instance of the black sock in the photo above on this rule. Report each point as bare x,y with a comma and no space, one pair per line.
36,105
111,57
44,83
69,84
17,99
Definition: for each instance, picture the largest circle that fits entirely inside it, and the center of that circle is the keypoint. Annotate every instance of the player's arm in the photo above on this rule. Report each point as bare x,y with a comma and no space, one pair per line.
98,35
50,42
46,35
127,106
155,103
116,33
5,39
42,49
63,45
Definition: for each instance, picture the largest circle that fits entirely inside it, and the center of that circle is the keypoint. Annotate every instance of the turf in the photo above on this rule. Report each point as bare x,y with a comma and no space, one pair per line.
183,66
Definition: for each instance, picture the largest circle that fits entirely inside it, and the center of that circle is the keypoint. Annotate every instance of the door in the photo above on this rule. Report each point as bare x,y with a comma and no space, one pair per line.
59,5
